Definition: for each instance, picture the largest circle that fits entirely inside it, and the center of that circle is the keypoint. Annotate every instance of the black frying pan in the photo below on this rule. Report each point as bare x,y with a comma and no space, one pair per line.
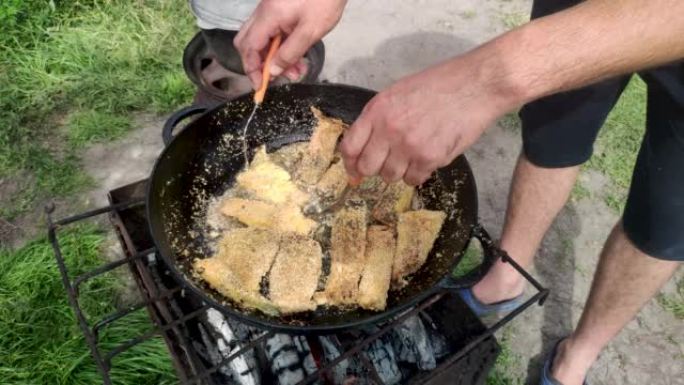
202,160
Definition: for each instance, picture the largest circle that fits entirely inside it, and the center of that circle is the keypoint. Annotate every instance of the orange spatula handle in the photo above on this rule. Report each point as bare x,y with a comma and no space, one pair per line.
266,74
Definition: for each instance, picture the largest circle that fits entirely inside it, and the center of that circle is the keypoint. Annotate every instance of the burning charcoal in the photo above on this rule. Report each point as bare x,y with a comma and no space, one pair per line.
243,367
413,344
384,360
287,361
243,332
331,350
209,350
439,342
350,371
308,363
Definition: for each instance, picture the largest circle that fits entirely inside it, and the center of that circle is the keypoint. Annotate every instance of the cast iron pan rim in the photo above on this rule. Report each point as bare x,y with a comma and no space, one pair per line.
179,276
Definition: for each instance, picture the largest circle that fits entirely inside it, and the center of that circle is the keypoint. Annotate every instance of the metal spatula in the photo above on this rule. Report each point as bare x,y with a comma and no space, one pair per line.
316,207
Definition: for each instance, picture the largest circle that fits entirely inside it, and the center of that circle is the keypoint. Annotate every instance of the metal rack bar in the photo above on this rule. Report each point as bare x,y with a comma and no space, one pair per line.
88,214
183,355
368,365
122,313
155,299
154,332
539,297
102,367
103,363
108,267
169,313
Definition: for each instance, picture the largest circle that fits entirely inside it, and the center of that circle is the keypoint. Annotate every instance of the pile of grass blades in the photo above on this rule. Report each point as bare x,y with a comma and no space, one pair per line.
40,342
71,74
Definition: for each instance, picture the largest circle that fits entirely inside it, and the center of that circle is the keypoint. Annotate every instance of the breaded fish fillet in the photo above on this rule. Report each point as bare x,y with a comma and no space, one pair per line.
395,199
371,190
267,181
333,182
347,255
263,215
248,253
321,151
220,277
231,273
295,274
375,281
416,233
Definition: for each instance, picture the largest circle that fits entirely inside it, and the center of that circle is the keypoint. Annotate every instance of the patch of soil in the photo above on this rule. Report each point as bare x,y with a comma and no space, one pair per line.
13,229
125,160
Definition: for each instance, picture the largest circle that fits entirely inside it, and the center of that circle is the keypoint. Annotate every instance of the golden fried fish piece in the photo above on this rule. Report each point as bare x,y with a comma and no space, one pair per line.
264,215
321,149
375,280
243,257
248,253
416,233
295,274
220,277
371,190
395,199
347,255
267,181
332,184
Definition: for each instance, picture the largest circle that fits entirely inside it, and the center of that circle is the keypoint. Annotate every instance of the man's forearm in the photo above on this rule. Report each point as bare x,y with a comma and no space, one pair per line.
586,43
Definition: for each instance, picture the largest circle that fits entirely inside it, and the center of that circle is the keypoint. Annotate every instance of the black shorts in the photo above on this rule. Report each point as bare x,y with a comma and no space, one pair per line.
559,131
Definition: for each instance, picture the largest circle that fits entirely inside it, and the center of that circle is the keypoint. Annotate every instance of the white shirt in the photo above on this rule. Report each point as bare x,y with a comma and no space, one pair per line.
222,14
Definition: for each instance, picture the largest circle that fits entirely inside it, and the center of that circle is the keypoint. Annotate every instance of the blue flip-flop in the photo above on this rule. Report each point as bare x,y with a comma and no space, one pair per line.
484,310
546,378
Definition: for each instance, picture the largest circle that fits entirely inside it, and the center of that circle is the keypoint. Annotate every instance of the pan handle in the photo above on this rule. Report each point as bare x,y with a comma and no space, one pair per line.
177,117
491,254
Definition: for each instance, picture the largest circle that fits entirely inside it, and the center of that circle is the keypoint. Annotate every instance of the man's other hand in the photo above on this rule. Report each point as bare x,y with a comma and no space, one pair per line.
301,22
423,122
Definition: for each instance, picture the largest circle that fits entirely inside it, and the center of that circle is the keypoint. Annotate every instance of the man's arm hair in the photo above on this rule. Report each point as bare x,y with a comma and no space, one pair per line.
594,40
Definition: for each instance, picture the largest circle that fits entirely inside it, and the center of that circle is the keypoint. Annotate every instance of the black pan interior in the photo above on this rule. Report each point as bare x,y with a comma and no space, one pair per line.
203,159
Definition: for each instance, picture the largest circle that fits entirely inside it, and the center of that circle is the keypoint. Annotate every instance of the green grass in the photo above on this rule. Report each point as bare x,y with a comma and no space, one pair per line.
89,126
674,302
39,340
579,191
511,121
471,259
512,20
619,141
506,365
93,62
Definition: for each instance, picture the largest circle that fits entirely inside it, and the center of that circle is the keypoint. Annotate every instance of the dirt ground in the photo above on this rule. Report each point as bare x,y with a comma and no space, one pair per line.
380,41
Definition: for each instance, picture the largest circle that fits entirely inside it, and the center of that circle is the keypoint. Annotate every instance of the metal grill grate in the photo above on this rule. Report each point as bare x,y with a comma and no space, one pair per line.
175,314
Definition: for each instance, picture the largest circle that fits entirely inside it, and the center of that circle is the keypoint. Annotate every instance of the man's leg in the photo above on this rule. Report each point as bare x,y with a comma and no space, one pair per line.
537,195
558,136
625,280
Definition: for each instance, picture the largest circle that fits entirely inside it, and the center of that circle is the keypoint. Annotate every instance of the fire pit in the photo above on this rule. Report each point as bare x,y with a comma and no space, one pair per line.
438,341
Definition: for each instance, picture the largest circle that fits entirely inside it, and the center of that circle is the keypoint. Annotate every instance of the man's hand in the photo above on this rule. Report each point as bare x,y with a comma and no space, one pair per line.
423,122
301,22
